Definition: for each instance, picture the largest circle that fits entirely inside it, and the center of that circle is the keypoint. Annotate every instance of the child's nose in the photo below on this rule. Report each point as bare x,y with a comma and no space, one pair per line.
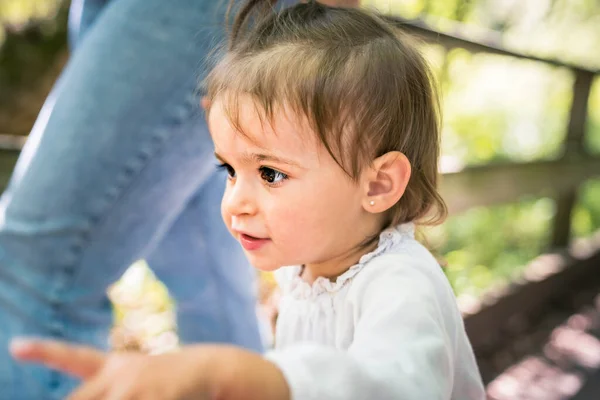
238,199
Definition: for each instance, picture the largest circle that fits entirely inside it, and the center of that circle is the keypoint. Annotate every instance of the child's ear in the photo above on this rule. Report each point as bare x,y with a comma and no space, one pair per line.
385,181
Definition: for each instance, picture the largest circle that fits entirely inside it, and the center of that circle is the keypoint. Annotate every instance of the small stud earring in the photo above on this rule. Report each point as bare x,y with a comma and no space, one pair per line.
372,202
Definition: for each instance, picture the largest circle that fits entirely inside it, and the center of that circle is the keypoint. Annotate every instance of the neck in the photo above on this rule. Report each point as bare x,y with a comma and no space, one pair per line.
331,269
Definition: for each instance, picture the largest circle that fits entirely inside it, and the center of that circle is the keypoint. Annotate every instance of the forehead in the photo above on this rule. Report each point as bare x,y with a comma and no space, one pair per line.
283,134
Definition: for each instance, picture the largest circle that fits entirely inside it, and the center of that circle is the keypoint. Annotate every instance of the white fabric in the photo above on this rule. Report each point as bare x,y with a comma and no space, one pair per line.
388,328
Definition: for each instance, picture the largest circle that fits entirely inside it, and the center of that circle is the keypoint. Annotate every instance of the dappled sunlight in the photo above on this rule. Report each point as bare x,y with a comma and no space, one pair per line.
540,268
575,345
565,363
534,378
543,267
582,248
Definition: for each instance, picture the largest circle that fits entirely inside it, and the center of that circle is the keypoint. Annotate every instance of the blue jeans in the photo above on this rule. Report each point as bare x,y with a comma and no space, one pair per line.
118,167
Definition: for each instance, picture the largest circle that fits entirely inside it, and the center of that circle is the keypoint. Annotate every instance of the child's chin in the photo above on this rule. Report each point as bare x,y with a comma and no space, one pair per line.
263,265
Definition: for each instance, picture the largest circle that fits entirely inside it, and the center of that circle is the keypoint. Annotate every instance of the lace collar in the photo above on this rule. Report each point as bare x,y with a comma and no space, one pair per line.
388,239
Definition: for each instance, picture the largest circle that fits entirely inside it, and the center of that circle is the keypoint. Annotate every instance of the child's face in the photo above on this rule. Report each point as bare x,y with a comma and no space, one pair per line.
287,201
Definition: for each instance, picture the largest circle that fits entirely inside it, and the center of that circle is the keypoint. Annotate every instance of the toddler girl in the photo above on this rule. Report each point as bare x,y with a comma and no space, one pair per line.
326,121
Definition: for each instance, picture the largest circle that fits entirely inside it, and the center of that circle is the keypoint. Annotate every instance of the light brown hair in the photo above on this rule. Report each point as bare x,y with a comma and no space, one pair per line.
362,85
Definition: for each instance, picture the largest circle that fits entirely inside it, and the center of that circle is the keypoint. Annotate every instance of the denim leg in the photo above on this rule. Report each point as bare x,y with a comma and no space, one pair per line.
211,281
82,15
118,150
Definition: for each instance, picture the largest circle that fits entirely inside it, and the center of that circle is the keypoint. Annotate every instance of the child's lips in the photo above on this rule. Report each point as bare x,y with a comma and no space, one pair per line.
251,242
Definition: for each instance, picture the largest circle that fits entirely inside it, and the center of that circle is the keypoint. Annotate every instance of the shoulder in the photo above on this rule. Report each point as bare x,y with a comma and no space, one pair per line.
409,275
412,263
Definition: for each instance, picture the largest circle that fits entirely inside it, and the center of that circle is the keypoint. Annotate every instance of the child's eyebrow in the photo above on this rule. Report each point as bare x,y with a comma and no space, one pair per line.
258,157
261,157
221,159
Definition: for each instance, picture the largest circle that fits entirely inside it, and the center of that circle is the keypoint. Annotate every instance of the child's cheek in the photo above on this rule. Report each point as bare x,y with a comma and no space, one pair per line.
225,215
295,222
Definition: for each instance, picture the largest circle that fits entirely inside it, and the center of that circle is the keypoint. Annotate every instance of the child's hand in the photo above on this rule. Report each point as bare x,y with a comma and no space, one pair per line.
195,372
117,375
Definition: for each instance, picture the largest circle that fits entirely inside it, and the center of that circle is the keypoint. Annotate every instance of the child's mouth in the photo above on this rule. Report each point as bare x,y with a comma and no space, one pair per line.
252,243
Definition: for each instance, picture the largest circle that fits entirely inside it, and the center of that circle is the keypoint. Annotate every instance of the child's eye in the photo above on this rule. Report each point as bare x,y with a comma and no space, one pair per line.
271,176
229,168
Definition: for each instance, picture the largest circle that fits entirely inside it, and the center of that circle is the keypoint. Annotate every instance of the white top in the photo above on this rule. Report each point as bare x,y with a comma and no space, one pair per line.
388,328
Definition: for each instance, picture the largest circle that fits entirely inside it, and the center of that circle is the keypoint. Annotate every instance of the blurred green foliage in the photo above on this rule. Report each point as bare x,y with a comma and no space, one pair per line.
18,14
585,219
22,12
490,245
593,123
487,117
